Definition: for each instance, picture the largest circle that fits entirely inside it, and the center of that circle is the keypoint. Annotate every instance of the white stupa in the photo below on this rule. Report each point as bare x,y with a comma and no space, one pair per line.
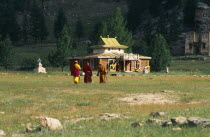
39,68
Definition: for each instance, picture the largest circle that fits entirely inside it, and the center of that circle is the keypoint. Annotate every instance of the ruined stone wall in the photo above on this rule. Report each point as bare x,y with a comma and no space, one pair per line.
195,41
189,38
205,43
202,17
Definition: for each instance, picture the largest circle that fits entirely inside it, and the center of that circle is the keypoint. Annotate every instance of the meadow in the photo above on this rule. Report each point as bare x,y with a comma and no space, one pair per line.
24,95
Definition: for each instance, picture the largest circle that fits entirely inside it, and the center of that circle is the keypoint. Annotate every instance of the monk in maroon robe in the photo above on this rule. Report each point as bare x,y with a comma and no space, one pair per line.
88,73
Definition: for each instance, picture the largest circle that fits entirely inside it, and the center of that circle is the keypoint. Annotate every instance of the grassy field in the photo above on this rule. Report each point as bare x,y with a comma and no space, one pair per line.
26,94
23,95
191,66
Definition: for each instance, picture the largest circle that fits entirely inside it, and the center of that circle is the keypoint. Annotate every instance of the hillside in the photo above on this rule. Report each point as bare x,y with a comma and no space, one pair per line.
89,12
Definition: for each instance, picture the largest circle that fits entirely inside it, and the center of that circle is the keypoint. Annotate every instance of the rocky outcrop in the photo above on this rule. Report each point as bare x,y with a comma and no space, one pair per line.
157,114
108,116
155,121
176,121
50,123
2,134
197,121
137,124
179,120
176,129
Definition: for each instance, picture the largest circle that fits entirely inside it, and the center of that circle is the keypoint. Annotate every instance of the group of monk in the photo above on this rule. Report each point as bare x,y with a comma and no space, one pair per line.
75,72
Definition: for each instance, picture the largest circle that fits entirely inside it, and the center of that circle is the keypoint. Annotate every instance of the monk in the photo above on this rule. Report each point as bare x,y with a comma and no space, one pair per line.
102,71
75,71
88,73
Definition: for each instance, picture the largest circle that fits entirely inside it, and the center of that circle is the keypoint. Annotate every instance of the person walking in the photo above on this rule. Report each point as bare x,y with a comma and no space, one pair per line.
75,72
88,73
102,71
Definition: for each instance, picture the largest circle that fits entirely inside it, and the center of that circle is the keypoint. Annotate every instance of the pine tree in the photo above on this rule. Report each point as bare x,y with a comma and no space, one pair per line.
95,34
43,4
136,9
25,28
163,22
8,22
140,47
133,16
104,30
116,27
189,12
7,53
38,24
160,53
43,29
64,49
59,23
100,29
176,27
79,29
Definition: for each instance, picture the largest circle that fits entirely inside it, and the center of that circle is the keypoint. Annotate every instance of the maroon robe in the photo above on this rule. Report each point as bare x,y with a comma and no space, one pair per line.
74,71
88,74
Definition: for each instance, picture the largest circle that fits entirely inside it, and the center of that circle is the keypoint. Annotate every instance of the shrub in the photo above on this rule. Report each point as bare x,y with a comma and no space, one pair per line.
28,63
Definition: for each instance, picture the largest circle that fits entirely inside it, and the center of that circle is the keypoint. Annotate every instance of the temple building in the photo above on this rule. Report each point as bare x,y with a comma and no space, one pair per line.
112,55
197,42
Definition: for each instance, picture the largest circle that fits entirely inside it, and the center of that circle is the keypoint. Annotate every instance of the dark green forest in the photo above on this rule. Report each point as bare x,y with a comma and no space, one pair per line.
134,22
24,20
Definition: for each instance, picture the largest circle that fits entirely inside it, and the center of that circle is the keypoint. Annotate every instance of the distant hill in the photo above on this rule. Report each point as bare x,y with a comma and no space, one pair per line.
89,11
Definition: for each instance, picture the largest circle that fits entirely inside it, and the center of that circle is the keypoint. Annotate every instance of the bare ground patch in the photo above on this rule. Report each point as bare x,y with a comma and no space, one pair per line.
150,98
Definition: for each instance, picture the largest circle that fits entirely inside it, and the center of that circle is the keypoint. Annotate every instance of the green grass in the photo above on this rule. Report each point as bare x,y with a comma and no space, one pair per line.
54,95
37,51
194,67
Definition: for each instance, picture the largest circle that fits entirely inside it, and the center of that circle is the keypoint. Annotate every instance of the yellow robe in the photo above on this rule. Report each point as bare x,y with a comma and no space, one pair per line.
77,78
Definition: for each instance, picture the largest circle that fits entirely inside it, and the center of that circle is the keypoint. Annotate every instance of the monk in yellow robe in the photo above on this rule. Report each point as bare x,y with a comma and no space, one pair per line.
75,72
102,71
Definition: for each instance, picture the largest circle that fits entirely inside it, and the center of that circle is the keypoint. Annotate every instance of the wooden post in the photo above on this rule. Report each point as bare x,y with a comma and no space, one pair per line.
124,65
167,69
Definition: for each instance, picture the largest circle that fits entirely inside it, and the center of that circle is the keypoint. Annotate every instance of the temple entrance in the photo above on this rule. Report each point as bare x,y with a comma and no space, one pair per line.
196,50
127,65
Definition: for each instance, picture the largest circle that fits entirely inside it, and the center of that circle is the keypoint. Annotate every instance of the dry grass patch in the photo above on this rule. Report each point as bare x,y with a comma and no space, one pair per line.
150,98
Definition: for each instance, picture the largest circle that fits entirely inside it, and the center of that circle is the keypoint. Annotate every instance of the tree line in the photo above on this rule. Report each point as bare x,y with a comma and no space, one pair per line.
34,27
123,26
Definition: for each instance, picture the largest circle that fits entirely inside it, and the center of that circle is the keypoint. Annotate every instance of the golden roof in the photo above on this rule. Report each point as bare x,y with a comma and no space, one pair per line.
110,43
98,55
